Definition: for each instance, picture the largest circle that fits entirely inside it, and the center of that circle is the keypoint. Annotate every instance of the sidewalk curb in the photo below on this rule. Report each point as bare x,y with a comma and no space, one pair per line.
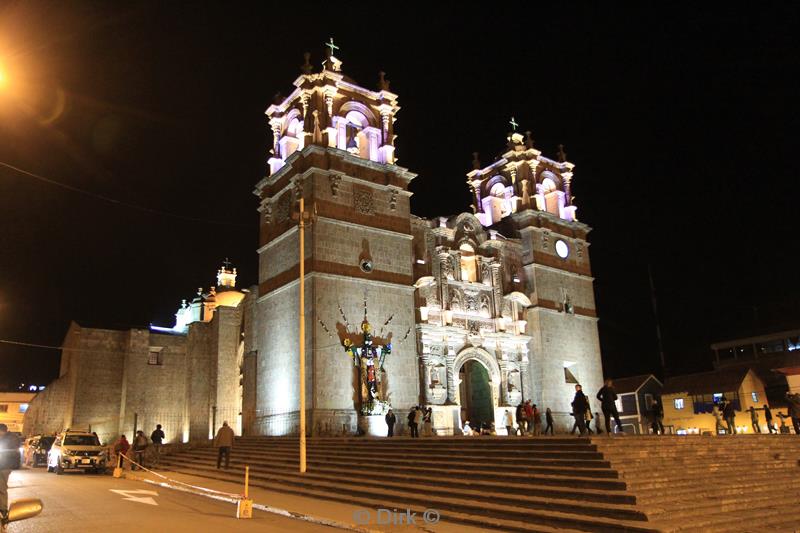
261,507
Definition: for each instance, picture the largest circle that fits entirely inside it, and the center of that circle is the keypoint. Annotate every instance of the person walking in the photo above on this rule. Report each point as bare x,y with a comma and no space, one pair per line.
548,418
121,448
536,417
520,416
794,410
508,420
729,414
391,420
588,418
139,448
659,415
768,415
157,438
608,403
754,420
427,422
9,460
718,419
224,442
528,411
579,407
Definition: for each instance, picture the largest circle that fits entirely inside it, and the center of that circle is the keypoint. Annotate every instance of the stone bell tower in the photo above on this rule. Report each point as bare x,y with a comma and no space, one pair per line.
333,143
531,195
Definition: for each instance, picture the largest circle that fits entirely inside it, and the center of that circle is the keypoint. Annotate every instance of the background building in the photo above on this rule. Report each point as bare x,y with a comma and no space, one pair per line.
13,406
688,400
635,395
186,378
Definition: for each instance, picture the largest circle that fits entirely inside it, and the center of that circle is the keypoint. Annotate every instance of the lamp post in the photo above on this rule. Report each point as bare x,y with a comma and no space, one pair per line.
304,218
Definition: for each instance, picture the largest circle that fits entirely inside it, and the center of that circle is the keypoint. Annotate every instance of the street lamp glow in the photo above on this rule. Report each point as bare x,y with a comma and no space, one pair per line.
3,78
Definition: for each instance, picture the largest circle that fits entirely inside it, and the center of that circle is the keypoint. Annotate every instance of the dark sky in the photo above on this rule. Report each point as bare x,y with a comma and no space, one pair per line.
682,125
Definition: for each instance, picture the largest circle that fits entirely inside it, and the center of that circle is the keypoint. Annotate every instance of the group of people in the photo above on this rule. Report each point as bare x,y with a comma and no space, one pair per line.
140,445
417,416
529,420
582,411
724,413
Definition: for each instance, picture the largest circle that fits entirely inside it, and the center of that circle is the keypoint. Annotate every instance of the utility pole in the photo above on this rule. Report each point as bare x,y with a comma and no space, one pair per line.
658,324
304,218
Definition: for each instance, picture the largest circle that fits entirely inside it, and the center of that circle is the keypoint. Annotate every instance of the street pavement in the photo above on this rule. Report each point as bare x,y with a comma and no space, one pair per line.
80,502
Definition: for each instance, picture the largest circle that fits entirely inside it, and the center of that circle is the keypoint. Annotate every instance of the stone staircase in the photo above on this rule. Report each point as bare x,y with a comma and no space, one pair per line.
735,483
501,483
641,484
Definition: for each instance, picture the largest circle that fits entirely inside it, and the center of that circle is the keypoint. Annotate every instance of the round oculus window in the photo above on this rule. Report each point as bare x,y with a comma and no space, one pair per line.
562,249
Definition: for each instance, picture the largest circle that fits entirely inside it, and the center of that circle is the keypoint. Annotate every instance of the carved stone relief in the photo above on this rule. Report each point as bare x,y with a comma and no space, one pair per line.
363,201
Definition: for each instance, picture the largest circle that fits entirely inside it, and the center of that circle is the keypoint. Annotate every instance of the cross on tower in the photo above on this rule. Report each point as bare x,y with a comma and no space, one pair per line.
227,264
331,46
513,124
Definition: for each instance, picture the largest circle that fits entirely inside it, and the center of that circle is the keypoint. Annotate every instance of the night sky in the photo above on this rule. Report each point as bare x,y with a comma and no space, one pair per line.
682,125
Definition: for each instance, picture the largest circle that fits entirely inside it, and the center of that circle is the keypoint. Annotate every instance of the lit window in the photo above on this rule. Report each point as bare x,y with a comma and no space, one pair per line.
469,267
569,377
717,397
754,395
678,403
23,407
154,357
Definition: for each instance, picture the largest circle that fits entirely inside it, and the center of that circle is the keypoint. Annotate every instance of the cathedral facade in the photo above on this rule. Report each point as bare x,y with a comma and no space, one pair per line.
481,311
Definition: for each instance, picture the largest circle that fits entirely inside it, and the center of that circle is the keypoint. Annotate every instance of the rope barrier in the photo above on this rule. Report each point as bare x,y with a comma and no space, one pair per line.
236,497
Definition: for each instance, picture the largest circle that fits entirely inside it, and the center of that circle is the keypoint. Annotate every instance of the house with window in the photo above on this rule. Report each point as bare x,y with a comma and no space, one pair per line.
634,396
13,406
688,400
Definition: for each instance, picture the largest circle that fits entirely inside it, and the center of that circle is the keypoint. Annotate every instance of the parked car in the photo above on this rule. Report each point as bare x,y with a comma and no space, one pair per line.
78,450
35,450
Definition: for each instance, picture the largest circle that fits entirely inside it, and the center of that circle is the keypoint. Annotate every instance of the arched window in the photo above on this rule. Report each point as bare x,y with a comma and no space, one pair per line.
548,186
469,266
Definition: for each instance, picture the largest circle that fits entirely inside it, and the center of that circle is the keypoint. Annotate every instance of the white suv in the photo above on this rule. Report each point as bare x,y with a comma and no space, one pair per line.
79,450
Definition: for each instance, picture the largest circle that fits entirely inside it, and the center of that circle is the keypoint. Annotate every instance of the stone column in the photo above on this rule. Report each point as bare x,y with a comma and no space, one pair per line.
450,358
425,363
523,376
567,187
503,382
497,288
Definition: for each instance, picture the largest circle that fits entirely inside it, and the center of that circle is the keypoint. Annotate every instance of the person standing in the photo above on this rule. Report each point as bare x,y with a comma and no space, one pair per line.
768,416
597,423
427,422
659,415
729,414
794,410
608,403
548,418
718,419
417,418
536,417
588,417
520,416
508,420
754,420
139,448
528,410
579,407
157,437
9,460
121,448
224,442
390,422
